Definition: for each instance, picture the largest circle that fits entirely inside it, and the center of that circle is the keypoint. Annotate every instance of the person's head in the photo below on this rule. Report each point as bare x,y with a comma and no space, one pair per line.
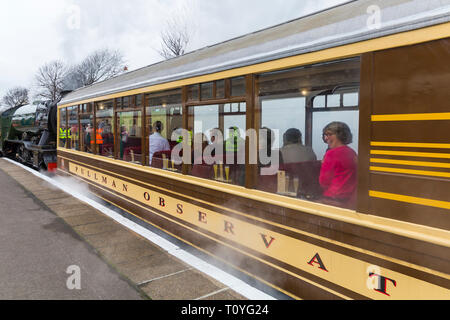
337,134
158,126
292,136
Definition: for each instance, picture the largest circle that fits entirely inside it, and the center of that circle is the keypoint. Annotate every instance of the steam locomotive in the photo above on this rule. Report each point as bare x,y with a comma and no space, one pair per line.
28,134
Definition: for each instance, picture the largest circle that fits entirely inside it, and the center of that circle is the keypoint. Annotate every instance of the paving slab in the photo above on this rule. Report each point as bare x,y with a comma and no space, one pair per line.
37,248
84,219
174,287
97,228
128,251
115,263
110,238
148,268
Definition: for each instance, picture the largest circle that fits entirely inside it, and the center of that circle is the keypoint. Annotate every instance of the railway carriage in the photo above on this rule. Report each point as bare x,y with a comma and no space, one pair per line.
381,67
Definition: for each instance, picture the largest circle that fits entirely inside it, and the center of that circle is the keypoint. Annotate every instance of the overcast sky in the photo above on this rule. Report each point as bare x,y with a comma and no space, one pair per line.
33,33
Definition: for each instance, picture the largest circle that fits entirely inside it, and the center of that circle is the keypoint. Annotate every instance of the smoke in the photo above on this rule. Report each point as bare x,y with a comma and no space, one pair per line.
70,185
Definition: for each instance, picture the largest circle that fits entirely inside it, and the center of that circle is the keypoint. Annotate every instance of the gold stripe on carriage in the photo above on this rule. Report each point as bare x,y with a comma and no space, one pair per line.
409,199
412,117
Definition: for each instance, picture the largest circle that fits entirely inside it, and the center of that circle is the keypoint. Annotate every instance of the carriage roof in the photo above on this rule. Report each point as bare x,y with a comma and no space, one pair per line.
337,26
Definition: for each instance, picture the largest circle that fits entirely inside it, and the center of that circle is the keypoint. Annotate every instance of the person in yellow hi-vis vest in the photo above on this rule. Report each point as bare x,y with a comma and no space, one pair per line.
234,143
62,137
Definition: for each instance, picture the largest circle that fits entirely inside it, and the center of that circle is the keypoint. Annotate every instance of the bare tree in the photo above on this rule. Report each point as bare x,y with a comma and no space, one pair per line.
100,65
15,97
50,80
174,38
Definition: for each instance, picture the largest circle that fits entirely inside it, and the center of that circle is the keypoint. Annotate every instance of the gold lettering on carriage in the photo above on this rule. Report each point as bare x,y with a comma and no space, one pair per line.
300,254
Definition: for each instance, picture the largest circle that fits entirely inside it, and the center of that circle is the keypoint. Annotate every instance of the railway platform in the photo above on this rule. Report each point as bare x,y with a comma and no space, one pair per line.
55,247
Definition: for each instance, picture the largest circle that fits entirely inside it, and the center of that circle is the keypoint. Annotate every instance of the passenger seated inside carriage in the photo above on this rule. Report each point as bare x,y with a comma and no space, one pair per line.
338,174
297,172
157,142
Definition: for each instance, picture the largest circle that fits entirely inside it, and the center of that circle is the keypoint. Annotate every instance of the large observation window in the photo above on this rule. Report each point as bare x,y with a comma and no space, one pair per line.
310,121
73,134
62,133
218,148
298,146
104,115
129,140
86,117
163,122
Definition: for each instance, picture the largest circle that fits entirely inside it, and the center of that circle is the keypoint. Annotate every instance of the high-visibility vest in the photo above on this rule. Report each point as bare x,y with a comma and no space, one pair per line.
232,143
98,137
62,133
69,134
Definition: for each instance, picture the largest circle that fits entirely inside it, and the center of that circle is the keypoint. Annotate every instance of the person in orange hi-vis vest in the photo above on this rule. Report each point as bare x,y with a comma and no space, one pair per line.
98,138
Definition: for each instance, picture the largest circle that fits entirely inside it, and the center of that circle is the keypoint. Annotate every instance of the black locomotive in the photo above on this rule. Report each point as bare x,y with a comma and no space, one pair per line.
28,134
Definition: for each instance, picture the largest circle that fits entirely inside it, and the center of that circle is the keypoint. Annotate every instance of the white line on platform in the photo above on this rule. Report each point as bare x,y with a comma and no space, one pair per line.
227,279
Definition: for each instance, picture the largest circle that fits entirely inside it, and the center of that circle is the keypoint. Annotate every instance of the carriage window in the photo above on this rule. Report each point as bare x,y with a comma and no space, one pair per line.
303,112
220,89
333,100
218,148
86,108
207,91
63,128
192,92
129,140
138,100
104,136
238,87
351,99
164,123
74,129
87,130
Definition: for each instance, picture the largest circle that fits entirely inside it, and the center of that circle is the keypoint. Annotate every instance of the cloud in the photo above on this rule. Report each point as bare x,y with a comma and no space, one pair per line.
29,38
33,33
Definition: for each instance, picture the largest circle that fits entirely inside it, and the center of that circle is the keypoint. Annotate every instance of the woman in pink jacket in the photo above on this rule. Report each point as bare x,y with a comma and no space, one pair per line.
338,175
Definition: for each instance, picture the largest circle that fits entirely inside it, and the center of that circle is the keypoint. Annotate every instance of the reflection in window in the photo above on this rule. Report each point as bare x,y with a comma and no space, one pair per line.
297,105
273,108
105,128
164,122
319,102
207,91
74,131
220,89
192,92
62,127
238,87
218,149
123,103
87,130
351,99
333,100
130,136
